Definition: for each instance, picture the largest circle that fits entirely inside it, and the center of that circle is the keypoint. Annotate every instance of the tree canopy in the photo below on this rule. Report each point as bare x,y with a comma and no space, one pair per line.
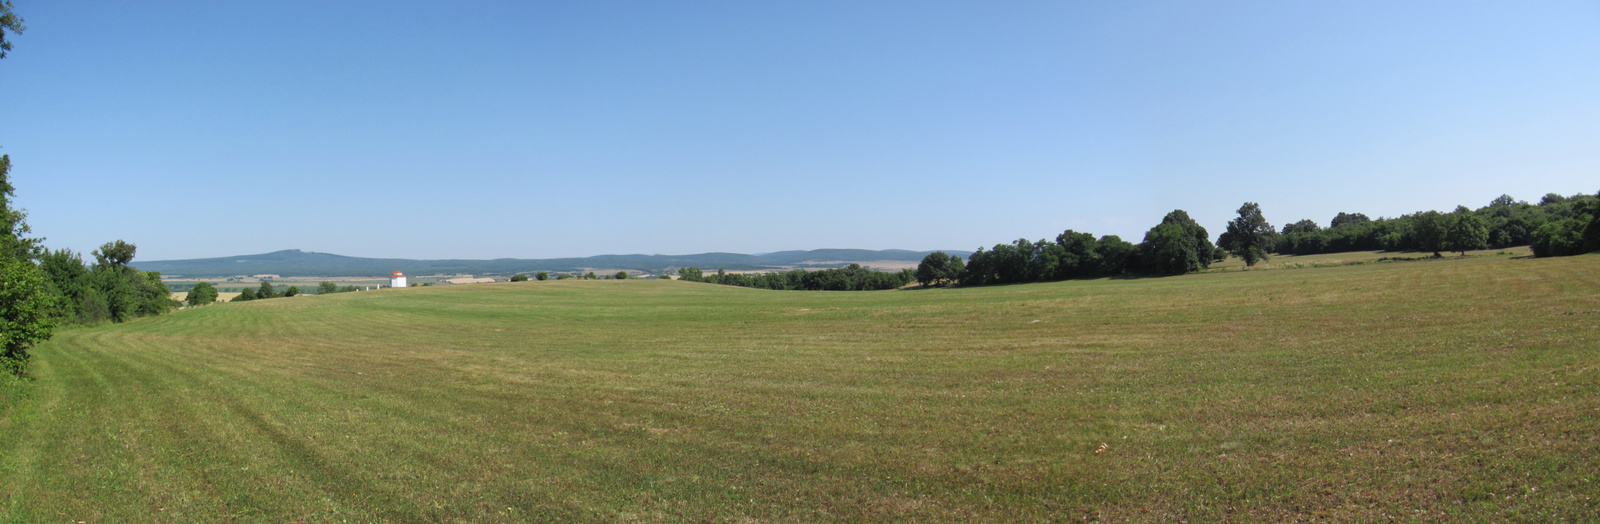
1177,245
9,22
201,294
1249,236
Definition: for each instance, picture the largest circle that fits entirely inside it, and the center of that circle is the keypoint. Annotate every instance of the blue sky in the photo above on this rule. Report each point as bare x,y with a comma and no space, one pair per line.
535,130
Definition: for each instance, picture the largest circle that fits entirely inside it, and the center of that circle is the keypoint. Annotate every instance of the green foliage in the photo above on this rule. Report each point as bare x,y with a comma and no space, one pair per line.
519,277
1429,228
115,254
246,295
1249,236
1303,226
1506,221
1558,238
24,312
691,274
590,276
201,294
850,278
937,268
621,275
265,291
68,279
542,276
1467,232
564,276
1176,246
1072,255
292,291
326,287
14,240
9,21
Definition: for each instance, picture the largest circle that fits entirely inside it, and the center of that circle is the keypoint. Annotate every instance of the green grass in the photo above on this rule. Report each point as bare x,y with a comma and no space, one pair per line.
1460,389
1350,258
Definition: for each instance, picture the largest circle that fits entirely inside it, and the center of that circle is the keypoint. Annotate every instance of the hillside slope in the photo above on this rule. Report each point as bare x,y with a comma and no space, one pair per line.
1456,389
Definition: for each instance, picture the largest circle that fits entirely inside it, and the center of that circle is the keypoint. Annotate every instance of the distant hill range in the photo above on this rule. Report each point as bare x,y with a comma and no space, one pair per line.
297,263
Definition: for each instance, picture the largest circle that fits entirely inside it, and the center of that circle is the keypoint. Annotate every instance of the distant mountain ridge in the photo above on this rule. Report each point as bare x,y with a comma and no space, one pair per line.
297,263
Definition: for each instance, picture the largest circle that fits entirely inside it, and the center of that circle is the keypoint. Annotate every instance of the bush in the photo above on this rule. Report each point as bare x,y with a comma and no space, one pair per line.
23,312
519,277
202,294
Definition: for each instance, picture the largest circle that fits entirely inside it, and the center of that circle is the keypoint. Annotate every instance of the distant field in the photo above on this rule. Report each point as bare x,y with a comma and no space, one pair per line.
1457,389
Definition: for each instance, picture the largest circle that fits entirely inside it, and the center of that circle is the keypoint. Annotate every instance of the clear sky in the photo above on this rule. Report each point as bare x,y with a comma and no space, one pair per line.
552,129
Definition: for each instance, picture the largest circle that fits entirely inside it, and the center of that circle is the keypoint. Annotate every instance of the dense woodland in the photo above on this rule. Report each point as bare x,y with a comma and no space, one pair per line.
1556,226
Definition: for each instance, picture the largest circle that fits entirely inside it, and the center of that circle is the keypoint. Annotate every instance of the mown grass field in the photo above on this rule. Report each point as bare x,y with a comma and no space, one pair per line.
1464,389
1280,261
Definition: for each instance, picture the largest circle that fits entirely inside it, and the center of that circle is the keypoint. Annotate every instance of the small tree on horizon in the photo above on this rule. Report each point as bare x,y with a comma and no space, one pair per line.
202,294
519,277
542,276
1249,235
936,268
622,275
265,291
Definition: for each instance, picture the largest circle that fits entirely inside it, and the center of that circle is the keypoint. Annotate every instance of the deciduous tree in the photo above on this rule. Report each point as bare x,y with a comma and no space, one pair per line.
201,294
1428,228
1248,236
934,269
1176,246
9,22
1467,233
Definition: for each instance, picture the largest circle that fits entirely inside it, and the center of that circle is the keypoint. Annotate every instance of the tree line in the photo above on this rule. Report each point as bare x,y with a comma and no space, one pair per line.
1556,226
1176,245
42,288
849,278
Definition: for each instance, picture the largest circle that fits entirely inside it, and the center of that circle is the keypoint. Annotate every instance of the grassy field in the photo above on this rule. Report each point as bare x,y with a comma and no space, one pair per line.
1458,389
1360,257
